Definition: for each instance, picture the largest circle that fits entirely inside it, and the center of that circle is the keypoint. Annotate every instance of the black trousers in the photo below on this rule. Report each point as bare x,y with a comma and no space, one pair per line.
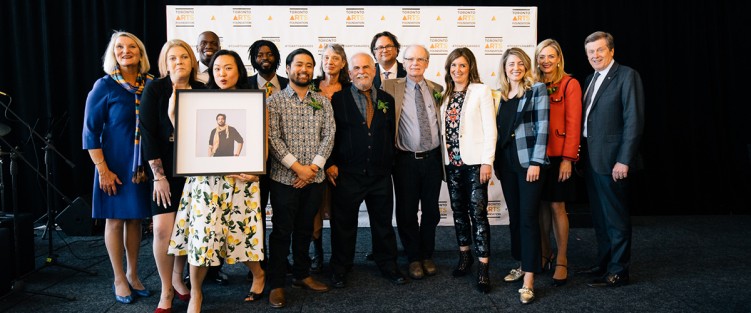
417,186
523,201
350,191
294,210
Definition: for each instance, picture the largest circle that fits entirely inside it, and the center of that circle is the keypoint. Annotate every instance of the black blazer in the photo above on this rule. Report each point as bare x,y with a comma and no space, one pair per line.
400,72
357,148
253,82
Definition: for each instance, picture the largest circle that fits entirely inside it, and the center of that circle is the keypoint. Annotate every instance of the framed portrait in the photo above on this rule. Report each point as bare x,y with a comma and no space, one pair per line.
219,132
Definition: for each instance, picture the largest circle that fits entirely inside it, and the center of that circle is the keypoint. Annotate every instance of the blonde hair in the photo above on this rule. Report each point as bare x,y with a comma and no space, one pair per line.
110,61
527,80
164,71
559,71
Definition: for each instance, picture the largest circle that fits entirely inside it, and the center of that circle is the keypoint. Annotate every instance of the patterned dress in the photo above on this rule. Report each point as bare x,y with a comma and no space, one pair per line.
218,217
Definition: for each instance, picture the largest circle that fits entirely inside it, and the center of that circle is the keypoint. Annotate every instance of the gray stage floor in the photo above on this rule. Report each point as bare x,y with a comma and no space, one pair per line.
680,264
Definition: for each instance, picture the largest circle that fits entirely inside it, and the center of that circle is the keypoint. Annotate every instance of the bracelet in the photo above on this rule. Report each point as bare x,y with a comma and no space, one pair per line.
100,162
158,179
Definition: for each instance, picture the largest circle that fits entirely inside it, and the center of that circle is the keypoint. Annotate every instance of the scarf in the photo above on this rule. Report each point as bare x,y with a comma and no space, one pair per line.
215,142
138,173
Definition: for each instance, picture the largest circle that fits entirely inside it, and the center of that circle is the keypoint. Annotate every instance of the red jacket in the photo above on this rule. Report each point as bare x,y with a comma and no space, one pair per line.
564,131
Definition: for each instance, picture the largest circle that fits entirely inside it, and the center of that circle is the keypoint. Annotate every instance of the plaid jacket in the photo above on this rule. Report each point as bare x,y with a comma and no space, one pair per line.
531,132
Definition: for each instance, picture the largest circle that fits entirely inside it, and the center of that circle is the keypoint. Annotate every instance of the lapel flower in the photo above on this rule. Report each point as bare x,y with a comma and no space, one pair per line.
312,87
315,104
437,96
383,106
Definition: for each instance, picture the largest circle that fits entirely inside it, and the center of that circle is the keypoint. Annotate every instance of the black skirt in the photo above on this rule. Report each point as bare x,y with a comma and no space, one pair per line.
555,191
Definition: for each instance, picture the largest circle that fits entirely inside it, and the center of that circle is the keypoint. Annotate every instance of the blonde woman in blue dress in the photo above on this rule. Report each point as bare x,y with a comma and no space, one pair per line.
220,216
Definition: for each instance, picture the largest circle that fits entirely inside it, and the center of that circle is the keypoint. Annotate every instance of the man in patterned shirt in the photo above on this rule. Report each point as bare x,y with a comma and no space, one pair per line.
301,124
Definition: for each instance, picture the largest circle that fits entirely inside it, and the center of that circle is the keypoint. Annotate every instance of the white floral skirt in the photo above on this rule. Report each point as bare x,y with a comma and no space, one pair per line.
218,217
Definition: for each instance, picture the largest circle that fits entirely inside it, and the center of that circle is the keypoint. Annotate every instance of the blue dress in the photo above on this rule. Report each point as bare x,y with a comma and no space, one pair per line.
109,124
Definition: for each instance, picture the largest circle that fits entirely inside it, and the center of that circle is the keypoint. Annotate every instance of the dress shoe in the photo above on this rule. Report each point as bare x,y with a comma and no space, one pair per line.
122,299
415,270
610,280
465,263
560,282
514,275
369,256
316,264
276,298
310,284
395,276
221,278
526,295
339,280
139,292
183,297
160,310
594,270
429,267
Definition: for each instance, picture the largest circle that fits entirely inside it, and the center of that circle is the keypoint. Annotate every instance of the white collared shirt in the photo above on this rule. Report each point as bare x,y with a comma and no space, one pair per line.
595,85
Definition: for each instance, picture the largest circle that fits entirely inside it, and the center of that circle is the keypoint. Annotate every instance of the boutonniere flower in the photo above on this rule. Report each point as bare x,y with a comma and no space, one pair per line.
315,104
312,87
552,90
383,106
437,96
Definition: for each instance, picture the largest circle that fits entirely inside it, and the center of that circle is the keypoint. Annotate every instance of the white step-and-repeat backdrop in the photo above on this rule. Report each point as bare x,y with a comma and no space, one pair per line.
488,31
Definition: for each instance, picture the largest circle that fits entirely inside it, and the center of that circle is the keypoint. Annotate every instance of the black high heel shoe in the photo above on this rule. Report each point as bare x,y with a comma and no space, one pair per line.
483,277
547,262
465,262
560,282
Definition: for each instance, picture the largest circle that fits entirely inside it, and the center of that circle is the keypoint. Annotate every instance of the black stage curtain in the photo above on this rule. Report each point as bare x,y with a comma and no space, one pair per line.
696,144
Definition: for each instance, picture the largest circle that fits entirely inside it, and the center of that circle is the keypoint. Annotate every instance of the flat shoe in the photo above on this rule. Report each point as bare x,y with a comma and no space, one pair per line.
139,292
122,299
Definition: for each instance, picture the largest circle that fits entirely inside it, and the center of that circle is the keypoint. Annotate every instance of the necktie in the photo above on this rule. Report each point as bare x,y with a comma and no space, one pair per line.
422,119
590,90
368,106
269,88
386,74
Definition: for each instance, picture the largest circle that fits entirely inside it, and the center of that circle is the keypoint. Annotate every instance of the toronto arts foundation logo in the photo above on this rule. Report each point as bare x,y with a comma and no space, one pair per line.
324,41
410,17
439,46
355,17
298,17
185,17
493,45
466,18
242,17
521,17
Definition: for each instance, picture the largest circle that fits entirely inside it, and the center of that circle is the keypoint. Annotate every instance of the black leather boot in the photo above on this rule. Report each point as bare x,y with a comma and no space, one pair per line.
483,277
465,262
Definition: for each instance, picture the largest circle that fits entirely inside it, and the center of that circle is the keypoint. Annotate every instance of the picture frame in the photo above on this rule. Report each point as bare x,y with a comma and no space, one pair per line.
220,132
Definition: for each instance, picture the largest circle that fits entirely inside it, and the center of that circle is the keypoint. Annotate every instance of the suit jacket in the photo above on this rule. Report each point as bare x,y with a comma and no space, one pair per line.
531,127
396,88
616,120
477,129
565,117
400,72
253,82
357,148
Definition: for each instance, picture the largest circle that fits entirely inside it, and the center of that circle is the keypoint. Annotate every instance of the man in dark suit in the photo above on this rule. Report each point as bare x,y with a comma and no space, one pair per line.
418,166
265,58
360,169
612,130
385,49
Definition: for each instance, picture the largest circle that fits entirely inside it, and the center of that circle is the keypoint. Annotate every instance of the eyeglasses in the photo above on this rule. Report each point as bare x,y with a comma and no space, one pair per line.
421,60
381,48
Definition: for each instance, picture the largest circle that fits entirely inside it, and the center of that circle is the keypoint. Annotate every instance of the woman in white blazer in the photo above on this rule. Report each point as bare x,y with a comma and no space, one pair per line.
469,135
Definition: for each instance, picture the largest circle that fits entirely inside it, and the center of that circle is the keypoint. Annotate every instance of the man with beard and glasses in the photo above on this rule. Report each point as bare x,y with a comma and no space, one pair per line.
208,44
301,137
360,170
